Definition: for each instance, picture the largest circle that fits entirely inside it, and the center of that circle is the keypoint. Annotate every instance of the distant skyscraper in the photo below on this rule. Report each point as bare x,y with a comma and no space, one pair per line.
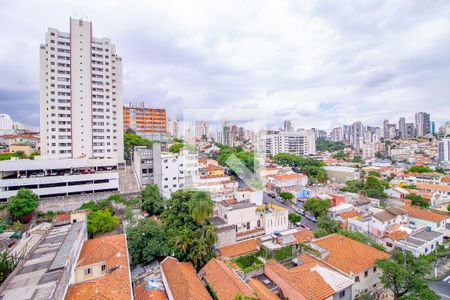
386,129
172,127
145,121
410,130
80,95
444,150
336,134
201,129
346,134
402,127
423,124
6,122
287,125
357,131
433,127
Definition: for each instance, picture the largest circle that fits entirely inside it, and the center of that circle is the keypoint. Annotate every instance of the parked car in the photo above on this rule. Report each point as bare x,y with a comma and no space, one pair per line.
298,224
271,195
281,200
299,211
304,226
92,171
310,217
85,171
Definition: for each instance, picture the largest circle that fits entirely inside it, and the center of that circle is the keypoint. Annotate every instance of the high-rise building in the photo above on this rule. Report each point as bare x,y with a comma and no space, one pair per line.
423,124
346,134
402,127
433,127
410,130
444,150
6,122
172,127
201,129
336,134
357,131
287,125
80,95
295,142
386,129
147,122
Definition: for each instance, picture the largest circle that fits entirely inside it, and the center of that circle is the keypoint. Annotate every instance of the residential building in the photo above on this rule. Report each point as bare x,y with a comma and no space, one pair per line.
58,177
6,122
181,281
146,164
80,107
368,150
172,127
422,242
17,126
384,220
225,283
102,269
46,269
177,171
402,127
287,126
354,259
147,122
311,279
337,135
444,150
239,249
24,148
426,218
423,124
291,183
410,130
201,130
294,142
357,132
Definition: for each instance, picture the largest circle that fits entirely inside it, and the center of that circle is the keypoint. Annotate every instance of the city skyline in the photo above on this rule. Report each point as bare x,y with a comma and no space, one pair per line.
215,57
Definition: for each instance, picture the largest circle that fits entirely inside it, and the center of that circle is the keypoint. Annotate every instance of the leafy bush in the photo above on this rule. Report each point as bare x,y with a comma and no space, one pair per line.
294,218
248,263
101,221
286,195
24,203
280,254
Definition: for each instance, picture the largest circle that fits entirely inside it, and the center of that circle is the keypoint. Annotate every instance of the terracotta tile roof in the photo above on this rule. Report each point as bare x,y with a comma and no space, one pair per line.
304,236
112,250
424,214
348,214
225,283
215,168
261,290
348,255
307,282
398,235
140,293
288,176
62,217
433,187
389,213
182,280
240,248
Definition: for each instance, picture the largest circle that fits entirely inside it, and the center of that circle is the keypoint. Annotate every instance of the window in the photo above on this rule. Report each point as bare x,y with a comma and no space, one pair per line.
357,279
87,271
103,267
374,269
342,294
366,273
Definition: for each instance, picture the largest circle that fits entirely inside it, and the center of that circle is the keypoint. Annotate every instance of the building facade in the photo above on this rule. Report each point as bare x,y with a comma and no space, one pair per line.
147,122
423,123
294,142
6,122
80,95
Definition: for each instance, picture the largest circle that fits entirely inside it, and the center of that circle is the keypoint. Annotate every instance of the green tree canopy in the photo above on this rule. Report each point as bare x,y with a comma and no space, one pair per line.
340,155
329,146
417,200
101,221
130,140
24,203
306,165
317,207
420,169
286,195
189,232
146,242
404,275
151,199
294,218
325,226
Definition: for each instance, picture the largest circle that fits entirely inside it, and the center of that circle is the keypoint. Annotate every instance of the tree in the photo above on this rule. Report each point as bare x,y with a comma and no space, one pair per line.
325,226
101,221
417,200
8,263
151,199
404,276
130,140
329,146
357,159
340,155
176,148
317,207
286,195
189,232
146,242
294,218
419,169
448,207
24,203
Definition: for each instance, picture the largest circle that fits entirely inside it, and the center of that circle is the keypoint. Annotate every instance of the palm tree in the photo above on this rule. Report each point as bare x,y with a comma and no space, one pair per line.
201,207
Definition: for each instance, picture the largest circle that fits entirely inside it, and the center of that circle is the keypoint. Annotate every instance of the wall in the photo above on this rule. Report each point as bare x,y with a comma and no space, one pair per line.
96,272
366,282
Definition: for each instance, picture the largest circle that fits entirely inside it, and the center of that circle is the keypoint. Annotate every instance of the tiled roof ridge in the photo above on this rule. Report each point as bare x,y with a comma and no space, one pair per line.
102,244
224,267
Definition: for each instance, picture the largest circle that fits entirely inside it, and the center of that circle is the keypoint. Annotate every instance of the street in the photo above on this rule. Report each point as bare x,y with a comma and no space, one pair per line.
267,199
441,287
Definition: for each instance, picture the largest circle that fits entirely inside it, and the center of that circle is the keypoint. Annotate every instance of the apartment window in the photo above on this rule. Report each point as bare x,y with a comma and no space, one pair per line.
342,294
357,279
366,273
87,271
103,267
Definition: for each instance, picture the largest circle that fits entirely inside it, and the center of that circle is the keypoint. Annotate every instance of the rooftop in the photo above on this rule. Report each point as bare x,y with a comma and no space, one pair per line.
311,278
39,274
424,214
240,248
224,281
433,187
182,280
389,214
116,284
348,255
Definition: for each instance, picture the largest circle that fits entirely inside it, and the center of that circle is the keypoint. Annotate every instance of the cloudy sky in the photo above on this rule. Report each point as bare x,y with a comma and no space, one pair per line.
318,63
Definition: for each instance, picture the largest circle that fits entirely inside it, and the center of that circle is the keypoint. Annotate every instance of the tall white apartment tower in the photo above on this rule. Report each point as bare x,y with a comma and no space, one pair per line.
80,95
